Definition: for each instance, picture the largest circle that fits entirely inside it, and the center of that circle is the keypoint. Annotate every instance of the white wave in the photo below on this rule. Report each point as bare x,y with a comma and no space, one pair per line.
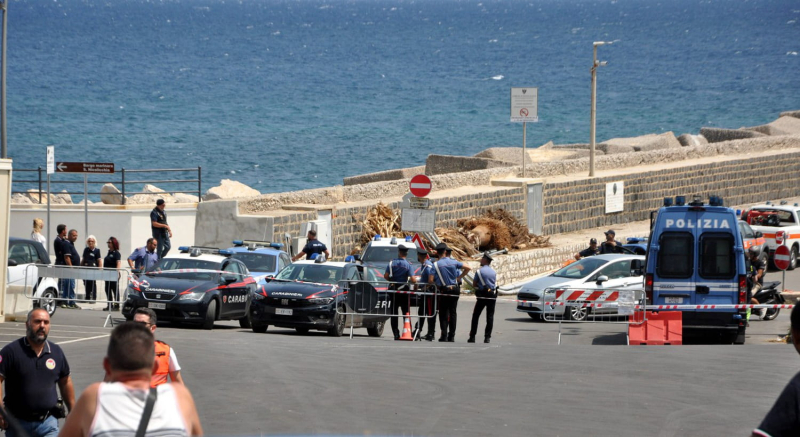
791,22
277,32
249,27
791,53
498,77
233,171
492,40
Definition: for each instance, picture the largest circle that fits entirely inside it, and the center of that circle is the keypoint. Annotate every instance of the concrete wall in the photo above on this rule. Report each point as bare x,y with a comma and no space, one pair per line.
130,224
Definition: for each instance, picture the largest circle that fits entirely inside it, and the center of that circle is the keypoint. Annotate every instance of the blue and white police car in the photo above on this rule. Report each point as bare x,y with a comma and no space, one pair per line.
262,258
695,256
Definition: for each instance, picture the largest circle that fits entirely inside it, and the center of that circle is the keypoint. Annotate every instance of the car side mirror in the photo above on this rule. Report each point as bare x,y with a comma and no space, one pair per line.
227,279
12,263
759,234
601,279
269,278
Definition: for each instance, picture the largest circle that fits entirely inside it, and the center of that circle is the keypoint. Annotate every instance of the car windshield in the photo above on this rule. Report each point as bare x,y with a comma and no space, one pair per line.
257,262
319,273
182,268
580,269
376,255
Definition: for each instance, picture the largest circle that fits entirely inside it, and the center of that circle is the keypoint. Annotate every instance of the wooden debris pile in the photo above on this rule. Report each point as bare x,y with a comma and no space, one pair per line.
380,220
520,235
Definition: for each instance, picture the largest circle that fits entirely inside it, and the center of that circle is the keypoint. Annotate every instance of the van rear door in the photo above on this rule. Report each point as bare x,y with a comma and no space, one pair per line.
674,268
716,269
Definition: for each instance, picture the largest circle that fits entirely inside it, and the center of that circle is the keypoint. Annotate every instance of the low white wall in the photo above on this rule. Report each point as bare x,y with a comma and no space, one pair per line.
130,224
5,201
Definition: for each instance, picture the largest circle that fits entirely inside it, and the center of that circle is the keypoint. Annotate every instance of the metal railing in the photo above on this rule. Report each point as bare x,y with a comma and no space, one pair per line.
124,181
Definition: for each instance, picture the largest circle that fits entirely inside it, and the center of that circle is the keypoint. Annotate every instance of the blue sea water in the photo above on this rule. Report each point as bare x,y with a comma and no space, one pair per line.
284,95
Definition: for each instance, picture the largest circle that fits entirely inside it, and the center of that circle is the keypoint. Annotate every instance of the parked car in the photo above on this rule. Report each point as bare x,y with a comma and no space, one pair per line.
599,272
262,258
23,275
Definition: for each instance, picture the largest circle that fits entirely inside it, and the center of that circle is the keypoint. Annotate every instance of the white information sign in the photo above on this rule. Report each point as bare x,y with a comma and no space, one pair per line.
615,197
51,159
418,220
419,202
524,105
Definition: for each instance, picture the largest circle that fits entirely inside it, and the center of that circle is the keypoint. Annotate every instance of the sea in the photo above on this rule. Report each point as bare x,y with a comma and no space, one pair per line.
285,95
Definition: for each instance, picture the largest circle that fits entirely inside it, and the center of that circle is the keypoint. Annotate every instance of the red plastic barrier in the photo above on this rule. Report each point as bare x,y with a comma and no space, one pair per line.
659,329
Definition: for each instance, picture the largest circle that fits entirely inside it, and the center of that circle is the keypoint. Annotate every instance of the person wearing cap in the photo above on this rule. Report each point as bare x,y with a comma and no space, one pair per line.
161,230
592,250
447,277
610,245
485,283
427,308
398,273
312,246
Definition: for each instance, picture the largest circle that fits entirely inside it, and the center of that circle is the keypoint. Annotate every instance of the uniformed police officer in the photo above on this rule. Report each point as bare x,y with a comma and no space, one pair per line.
592,250
312,246
30,368
398,272
486,291
427,303
447,278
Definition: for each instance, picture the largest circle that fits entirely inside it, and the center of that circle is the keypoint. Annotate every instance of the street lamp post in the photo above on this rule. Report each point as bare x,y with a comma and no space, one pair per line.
3,145
595,64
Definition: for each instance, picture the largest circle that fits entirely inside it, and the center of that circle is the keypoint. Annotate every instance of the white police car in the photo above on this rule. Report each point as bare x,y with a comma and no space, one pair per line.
262,258
695,256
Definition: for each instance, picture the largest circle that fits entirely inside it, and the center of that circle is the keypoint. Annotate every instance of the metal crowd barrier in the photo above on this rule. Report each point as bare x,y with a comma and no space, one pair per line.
359,299
59,272
606,306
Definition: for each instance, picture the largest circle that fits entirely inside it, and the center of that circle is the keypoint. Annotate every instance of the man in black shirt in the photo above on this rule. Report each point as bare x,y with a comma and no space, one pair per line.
161,230
755,279
312,246
610,245
30,368
784,417
592,250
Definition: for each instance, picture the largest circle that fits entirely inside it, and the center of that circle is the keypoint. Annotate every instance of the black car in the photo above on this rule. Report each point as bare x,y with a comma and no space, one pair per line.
310,295
197,286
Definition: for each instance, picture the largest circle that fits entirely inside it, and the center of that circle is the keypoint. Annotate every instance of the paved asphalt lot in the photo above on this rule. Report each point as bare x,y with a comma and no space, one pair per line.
523,383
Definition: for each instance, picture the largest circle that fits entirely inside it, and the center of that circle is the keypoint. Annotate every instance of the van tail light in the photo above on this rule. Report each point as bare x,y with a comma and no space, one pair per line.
779,237
742,289
648,287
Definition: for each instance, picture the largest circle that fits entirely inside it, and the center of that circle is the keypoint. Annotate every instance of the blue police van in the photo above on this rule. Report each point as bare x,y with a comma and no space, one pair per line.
695,256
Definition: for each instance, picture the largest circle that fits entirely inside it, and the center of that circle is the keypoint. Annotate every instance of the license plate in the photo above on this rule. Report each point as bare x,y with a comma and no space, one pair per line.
283,312
156,306
673,299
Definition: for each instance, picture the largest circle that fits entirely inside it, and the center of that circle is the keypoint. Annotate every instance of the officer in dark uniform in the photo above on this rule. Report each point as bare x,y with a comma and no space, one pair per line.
447,278
398,272
30,368
312,246
610,245
485,282
161,230
427,305
592,250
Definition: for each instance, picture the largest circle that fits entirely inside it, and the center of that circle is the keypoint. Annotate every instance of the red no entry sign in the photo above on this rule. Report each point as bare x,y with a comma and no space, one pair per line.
782,257
420,185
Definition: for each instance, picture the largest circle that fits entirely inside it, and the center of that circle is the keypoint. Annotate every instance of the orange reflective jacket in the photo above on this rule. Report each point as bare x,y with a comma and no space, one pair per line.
162,359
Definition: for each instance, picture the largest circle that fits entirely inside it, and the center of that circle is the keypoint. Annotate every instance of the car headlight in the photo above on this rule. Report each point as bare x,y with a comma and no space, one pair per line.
321,300
258,296
133,291
192,296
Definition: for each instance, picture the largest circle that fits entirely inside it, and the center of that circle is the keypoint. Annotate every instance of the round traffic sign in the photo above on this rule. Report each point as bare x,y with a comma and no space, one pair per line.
782,257
420,185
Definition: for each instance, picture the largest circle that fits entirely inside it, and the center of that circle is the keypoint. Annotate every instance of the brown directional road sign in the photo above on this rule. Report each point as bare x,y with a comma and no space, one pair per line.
85,167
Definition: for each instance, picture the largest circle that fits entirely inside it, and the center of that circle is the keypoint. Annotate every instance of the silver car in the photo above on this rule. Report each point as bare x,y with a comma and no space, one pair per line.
612,272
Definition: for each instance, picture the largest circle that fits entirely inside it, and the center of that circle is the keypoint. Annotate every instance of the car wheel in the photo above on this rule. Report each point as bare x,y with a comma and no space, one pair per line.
792,259
338,325
576,313
764,257
48,301
260,329
535,316
244,322
211,314
376,330
302,331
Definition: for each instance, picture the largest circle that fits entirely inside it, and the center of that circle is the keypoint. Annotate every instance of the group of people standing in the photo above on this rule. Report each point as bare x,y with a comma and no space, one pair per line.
66,254
443,278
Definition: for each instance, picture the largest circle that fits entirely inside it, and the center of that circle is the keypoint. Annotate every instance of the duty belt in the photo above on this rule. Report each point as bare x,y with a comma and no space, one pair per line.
33,417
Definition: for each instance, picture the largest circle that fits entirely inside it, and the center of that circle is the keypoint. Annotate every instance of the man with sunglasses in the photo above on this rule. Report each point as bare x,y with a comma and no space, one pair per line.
165,357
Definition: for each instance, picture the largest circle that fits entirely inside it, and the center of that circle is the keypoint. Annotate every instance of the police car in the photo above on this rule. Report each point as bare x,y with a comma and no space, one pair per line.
380,251
262,258
198,285
696,257
599,272
305,296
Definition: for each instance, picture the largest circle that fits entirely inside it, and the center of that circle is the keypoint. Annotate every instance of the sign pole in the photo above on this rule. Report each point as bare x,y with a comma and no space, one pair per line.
86,206
49,225
524,131
51,168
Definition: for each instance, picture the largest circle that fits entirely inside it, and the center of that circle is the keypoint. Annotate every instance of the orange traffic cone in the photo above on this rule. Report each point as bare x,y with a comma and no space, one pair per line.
407,329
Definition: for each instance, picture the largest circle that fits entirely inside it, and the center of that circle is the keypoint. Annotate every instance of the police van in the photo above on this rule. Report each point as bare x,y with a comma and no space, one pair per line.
695,256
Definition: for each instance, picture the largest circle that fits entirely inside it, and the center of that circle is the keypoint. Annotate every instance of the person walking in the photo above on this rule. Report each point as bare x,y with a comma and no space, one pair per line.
120,406
447,278
166,360
161,230
427,308
36,234
398,273
112,261
485,282
31,368
91,258
312,246
783,420
144,258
